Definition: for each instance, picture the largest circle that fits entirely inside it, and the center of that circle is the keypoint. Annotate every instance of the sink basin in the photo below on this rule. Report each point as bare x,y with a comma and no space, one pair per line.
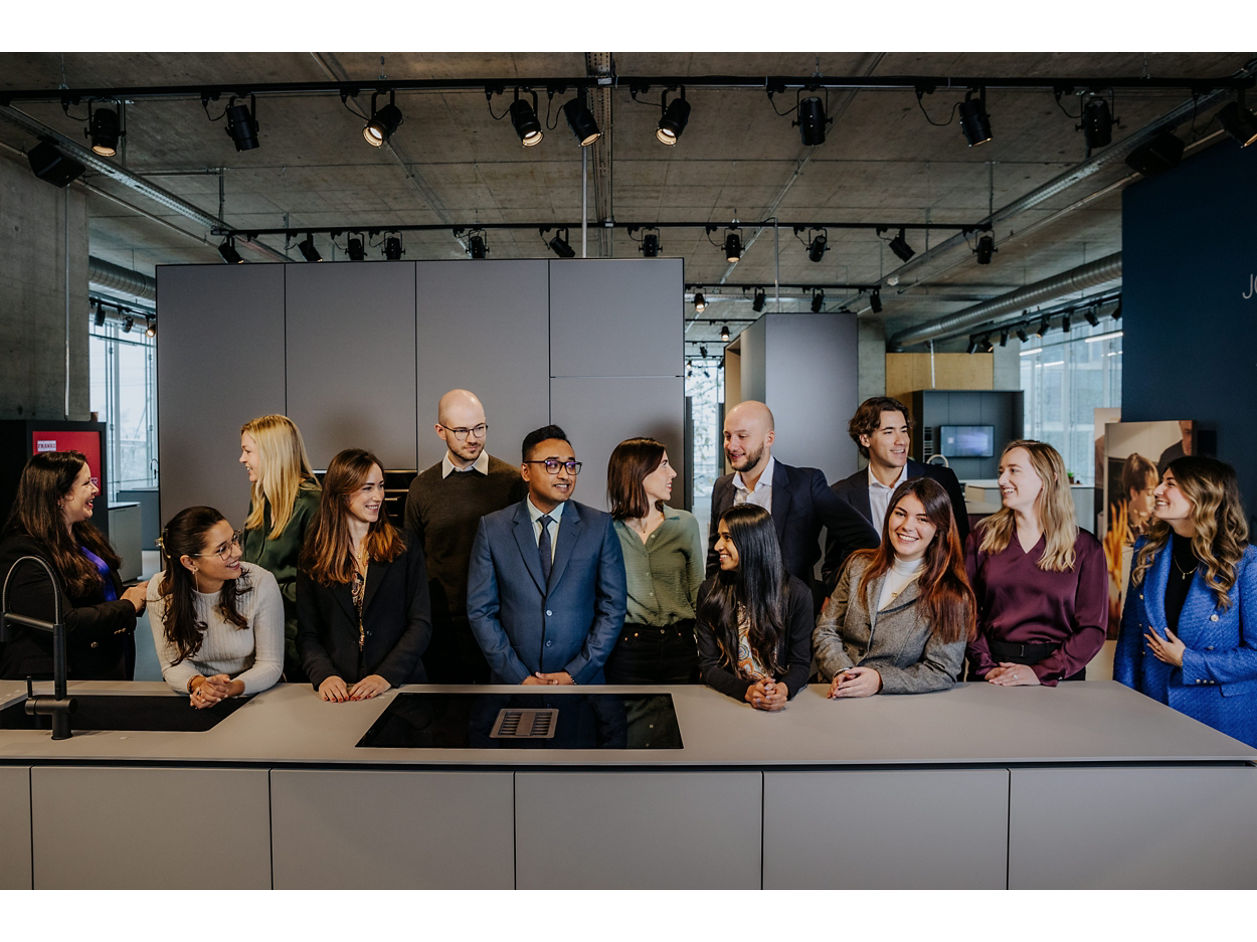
121,712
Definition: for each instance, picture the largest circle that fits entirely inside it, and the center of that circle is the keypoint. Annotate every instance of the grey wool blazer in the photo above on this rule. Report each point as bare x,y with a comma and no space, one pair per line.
900,646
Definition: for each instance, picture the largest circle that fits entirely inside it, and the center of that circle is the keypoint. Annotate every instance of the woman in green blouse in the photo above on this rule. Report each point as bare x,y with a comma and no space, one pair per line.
663,565
285,499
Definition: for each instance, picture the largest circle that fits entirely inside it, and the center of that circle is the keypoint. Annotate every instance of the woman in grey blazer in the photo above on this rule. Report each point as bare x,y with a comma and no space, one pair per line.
900,615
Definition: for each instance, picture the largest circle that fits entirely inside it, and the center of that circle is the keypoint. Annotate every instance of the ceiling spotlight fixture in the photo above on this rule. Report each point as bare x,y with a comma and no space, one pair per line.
650,244
759,300
985,249
1003,337
1042,329
724,333
99,319
1065,323
309,251
899,245
973,345
702,350
581,120
700,302
818,300
393,250
150,327
812,121
477,247
818,246
986,346
1091,318
1239,122
242,123
733,246
524,118
974,121
51,165
355,249
1117,311
676,114
1022,335
127,323
1097,122
228,251
875,300
103,130
383,122
560,246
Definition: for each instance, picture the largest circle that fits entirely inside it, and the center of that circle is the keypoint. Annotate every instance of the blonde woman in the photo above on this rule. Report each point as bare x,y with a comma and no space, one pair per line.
285,499
1041,583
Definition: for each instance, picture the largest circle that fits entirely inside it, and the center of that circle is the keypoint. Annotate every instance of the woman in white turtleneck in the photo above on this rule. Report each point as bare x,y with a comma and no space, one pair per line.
900,615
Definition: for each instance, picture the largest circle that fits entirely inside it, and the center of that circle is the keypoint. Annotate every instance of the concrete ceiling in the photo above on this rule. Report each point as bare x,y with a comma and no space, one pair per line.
451,164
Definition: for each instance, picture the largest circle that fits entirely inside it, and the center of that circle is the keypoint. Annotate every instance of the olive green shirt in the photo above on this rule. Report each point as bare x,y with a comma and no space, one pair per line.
664,573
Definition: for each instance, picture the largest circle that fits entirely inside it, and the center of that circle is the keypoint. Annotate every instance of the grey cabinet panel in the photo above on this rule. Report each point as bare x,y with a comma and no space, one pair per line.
150,828
597,414
220,362
616,317
906,829
392,830
351,358
1133,828
484,326
15,828
637,830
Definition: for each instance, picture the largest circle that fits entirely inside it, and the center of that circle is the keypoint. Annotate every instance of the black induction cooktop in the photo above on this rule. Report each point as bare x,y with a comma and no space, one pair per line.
526,721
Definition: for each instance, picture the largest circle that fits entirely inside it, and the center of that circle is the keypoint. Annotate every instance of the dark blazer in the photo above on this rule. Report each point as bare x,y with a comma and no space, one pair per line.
1217,683
395,617
100,635
523,625
854,492
802,504
794,650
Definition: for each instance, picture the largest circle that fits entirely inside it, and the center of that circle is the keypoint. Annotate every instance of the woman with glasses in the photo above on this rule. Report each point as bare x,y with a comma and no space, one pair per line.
51,521
285,498
754,619
217,622
362,589
664,558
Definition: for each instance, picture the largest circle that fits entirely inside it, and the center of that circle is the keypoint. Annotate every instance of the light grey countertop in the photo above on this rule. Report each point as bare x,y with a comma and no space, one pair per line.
971,724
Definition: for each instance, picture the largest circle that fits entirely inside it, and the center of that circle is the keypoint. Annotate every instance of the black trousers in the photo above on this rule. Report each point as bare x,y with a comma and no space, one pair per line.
649,655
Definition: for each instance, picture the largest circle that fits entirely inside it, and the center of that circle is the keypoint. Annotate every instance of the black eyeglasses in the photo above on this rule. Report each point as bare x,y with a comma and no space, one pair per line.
223,552
461,434
553,465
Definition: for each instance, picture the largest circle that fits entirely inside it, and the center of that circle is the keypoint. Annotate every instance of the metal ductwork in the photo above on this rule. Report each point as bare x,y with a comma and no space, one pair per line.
115,278
1085,276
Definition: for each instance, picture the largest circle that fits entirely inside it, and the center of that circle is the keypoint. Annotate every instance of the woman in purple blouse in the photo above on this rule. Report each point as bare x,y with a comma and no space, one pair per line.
1040,582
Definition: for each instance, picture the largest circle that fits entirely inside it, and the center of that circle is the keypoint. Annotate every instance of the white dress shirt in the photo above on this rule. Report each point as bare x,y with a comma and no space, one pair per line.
535,515
481,464
879,496
762,496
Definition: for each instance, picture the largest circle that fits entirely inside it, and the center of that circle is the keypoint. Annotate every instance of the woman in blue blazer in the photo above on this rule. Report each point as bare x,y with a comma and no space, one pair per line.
1185,638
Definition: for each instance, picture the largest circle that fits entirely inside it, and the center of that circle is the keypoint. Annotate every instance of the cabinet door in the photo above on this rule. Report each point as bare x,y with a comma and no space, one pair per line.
637,830
15,829
376,830
150,828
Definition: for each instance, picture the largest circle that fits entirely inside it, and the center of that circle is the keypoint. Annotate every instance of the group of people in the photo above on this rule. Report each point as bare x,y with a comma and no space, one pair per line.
499,576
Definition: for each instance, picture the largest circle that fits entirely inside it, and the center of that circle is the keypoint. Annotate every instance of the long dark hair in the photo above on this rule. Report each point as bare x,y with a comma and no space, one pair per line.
327,554
46,479
945,592
183,536
758,584
630,462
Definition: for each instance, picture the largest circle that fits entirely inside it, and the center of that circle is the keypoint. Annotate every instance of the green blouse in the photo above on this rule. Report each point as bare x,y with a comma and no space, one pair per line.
280,555
664,573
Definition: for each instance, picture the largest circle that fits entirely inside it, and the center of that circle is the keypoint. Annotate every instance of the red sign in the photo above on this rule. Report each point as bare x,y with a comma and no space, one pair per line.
88,442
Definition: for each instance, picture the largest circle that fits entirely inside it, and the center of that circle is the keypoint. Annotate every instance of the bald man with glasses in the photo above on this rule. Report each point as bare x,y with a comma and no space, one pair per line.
443,508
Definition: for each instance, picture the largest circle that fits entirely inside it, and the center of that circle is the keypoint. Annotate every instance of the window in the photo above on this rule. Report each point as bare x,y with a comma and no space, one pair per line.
124,395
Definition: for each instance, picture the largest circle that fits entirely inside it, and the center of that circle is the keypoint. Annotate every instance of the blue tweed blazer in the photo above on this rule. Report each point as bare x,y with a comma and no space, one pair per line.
1217,683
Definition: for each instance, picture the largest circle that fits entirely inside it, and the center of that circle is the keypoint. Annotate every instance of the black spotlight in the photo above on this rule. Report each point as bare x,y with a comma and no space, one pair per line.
127,323
1239,122
985,249
242,123
759,300
1091,318
1065,323
899,245
700,302
986,346
702,350
150,327
818,300
476,246
733,247
1003,337
974,121
812,121
1021,334
383,123
52,166
228,251
650,245
99,319
524,117
1042,329
581,120
1117,311
356,250
393,250
1161,153
724,333
560,246
309,251
103,131
875,301
1097,122
676,115
817,248
973,345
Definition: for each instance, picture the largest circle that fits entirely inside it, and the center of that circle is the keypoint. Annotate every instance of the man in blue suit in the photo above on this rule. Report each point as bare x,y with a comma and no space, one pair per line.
546,588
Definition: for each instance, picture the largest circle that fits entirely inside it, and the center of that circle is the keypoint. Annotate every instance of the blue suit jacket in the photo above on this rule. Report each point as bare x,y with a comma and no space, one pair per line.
521,624
1217,683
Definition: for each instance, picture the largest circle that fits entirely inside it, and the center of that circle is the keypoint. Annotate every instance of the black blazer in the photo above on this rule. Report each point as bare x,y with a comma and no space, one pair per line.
395,615
100,635
802,504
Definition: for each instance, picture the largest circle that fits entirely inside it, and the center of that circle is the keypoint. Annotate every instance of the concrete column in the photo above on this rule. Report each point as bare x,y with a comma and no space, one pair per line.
33,278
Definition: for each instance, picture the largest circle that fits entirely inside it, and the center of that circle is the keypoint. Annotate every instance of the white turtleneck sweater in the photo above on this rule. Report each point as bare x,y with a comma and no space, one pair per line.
900,576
